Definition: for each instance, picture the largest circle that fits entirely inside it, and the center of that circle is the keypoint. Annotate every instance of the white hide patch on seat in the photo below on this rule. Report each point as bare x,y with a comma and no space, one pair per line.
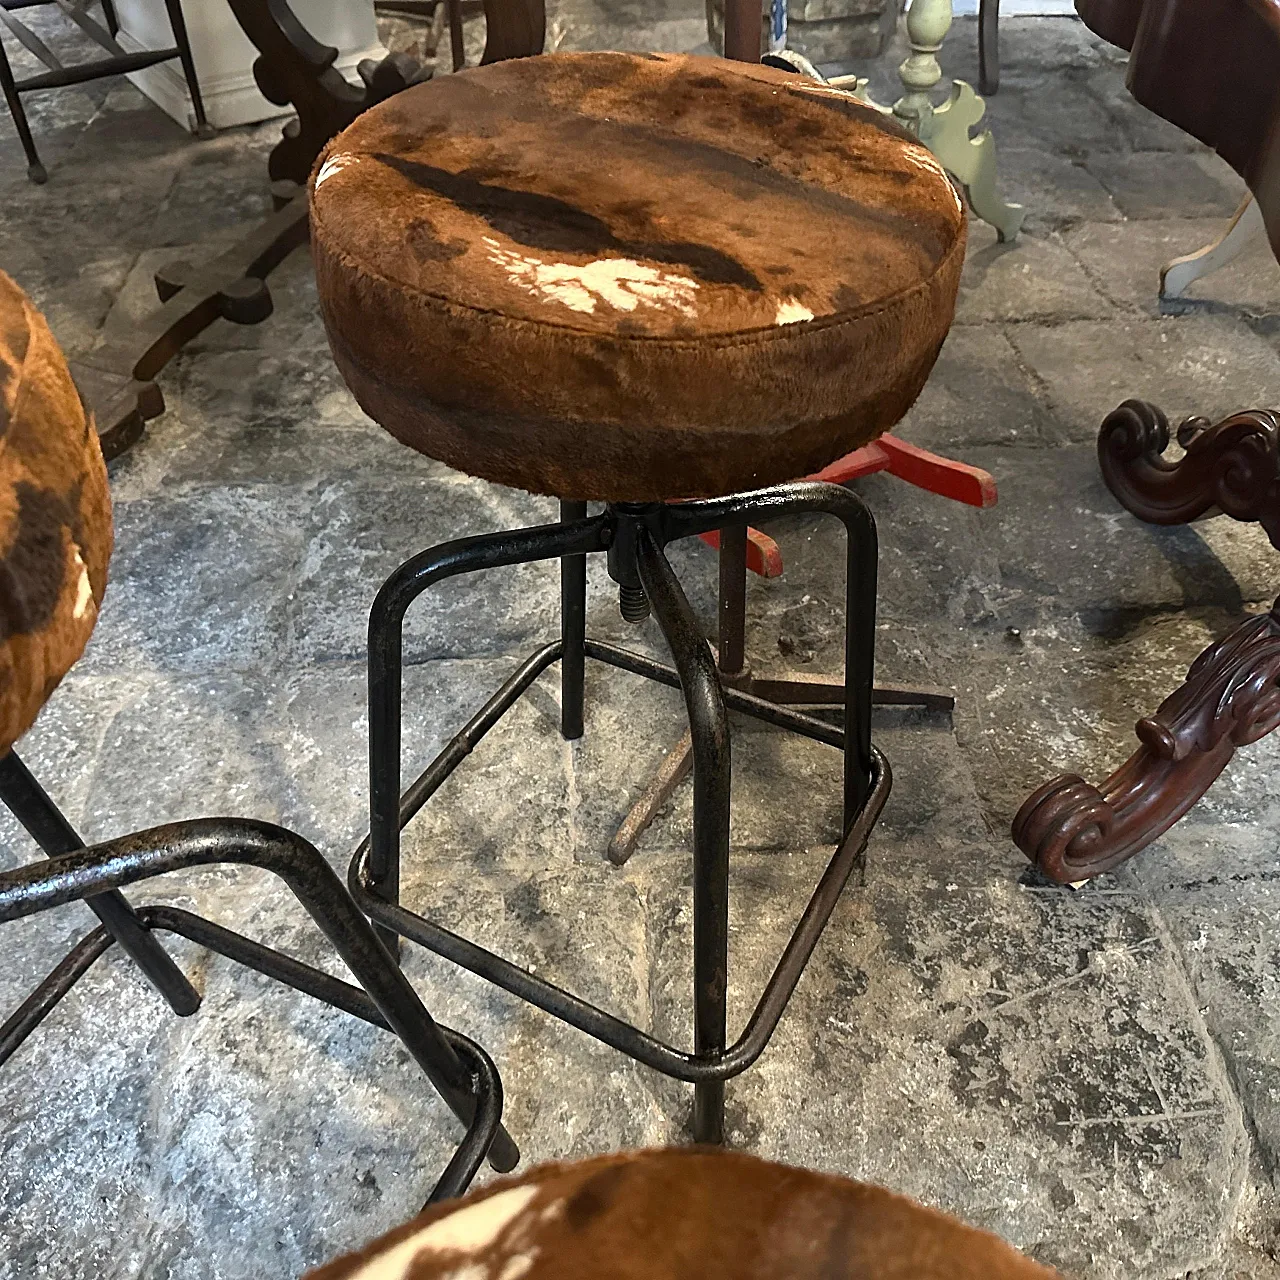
622,283
334,164
464,1233
84,588
792,312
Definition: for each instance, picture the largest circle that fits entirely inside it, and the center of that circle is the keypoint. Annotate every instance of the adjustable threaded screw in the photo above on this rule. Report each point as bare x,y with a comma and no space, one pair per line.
633,604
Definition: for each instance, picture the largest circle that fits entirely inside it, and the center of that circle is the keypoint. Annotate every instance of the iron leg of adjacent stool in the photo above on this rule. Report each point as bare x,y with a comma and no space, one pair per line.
709,731
86,873
787,689
485,1125
573,629
861,567
861,551
732,623
45,823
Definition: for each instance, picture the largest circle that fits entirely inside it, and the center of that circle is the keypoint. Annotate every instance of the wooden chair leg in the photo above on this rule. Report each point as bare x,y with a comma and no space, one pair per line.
35,170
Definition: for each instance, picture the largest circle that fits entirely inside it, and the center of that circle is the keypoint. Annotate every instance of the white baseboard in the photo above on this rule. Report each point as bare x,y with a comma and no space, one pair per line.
228,100
1019,8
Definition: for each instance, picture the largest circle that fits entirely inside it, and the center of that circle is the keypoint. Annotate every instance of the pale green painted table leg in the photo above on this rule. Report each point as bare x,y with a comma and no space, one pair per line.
944,129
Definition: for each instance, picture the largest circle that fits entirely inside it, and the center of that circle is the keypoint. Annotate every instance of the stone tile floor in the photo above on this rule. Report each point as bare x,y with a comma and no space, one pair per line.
1095,1075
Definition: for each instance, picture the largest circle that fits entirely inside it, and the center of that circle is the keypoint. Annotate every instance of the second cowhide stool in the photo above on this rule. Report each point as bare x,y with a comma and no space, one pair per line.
639,280
55,546
681,1214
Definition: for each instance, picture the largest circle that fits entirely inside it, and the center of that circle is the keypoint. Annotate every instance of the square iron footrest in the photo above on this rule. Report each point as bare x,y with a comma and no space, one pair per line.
692,1068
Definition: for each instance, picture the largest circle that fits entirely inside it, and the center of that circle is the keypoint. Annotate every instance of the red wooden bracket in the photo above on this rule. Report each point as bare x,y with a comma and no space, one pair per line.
943,476
764,556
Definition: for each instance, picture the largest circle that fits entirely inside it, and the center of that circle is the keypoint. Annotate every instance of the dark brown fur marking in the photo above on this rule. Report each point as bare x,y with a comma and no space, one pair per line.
704,1215
55,515
543,222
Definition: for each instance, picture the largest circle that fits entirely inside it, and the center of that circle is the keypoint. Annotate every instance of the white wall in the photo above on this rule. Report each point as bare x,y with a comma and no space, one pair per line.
224,57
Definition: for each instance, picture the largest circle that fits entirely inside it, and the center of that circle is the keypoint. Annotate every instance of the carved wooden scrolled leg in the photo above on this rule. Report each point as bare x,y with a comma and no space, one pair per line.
1231,696
1233,467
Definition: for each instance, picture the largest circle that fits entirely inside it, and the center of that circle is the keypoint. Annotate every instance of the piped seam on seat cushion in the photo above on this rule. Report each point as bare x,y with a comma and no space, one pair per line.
743,338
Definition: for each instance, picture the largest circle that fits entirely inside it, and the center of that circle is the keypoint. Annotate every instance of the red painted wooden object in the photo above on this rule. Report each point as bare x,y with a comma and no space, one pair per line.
943,476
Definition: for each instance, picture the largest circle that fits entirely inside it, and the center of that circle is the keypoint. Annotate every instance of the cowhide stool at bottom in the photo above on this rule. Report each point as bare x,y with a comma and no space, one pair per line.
634,279
679,1213
55,544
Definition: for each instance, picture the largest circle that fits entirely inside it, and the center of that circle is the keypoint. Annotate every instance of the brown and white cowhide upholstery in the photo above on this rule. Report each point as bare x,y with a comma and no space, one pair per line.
683,1215
624,276
55,516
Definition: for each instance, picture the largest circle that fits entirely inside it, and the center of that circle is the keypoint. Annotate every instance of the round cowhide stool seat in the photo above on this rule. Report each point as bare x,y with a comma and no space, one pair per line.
677,1214
55,516
633,277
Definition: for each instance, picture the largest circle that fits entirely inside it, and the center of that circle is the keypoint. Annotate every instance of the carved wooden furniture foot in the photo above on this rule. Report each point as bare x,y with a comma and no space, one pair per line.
118,378
1232,468
1072,830
293,68
1245,227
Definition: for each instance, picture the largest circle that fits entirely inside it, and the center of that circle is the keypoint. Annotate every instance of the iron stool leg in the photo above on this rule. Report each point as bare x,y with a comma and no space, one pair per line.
459,1071
634,536
46,825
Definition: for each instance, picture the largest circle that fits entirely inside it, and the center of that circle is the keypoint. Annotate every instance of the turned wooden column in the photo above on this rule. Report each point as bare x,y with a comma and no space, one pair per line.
946,128
928,22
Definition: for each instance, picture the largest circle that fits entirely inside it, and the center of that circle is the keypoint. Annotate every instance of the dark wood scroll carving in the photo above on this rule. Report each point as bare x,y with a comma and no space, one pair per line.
1232,468
117,380
1211,67
1072,830
294,67
1231,696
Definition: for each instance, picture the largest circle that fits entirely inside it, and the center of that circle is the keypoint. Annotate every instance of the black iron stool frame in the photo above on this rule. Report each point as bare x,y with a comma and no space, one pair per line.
634,535
459,1069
